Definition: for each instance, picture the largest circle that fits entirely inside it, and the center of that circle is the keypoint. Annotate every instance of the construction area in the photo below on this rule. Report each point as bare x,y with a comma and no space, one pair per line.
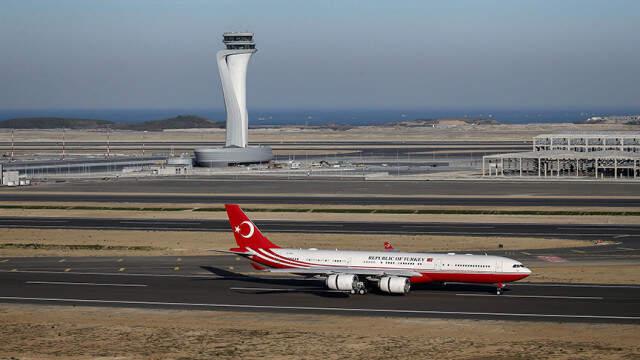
595,156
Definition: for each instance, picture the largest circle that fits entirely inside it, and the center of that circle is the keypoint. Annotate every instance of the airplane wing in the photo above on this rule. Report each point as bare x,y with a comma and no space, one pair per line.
339,270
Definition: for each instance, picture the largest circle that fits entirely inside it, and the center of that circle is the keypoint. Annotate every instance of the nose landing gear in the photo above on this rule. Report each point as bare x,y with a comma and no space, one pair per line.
499,288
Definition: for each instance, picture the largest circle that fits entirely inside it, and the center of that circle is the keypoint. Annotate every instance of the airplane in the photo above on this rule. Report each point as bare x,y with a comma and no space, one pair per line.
357,272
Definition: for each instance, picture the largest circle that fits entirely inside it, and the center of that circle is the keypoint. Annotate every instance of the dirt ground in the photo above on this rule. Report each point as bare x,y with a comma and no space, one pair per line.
504,132
184,243
50,332
595,273
301,216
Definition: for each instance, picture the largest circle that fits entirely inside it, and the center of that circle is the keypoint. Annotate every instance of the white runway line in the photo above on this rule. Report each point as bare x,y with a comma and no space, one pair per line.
592,227
108,274
450,227
577,285
537,296
159,222
334,309
36,221
81,283
263,289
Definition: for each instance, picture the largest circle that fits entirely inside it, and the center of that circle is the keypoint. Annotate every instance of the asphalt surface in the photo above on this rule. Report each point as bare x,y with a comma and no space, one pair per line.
320,200
207,283
628,233
206,186
621,242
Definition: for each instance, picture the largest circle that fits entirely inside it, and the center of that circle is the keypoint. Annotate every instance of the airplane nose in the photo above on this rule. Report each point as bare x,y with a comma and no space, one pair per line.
526,270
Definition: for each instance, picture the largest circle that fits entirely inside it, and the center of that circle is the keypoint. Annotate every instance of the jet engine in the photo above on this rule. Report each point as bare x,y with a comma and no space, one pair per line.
394,284
343,282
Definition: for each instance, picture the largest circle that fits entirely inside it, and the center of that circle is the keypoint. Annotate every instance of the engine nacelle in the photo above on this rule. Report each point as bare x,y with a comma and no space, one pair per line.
343,282
394,284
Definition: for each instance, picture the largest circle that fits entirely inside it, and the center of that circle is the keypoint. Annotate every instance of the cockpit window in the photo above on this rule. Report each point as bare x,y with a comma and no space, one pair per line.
518,265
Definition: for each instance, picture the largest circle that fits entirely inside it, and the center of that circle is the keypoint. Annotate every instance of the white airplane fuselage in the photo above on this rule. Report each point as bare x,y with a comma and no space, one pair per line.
431,266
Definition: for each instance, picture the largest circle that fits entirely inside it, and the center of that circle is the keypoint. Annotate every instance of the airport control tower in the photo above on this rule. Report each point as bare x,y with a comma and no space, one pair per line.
232,65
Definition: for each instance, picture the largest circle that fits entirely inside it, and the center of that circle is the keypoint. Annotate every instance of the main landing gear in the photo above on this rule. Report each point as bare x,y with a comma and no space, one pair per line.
499,288
359,288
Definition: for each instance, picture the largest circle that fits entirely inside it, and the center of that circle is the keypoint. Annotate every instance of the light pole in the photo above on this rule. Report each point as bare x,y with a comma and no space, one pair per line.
108,142
63,134
12,146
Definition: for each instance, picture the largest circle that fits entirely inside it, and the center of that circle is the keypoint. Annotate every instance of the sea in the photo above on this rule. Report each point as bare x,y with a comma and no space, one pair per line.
270,117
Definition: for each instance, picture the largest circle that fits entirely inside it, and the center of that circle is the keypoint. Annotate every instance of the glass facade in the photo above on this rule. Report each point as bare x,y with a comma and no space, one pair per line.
240,46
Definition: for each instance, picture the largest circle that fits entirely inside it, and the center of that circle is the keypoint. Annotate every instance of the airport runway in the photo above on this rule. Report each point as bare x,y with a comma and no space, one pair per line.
627,233
340,187
485,202
623,241
206,283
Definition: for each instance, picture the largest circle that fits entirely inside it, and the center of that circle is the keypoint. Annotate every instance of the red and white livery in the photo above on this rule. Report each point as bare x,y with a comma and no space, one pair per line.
357,271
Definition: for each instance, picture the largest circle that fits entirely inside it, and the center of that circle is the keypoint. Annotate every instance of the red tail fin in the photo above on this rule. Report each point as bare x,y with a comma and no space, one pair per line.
245,232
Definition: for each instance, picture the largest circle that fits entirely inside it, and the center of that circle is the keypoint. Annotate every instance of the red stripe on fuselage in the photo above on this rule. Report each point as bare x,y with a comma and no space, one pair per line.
278,258
480,278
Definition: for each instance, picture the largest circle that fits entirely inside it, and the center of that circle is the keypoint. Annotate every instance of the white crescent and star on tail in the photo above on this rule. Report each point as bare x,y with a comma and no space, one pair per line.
251,229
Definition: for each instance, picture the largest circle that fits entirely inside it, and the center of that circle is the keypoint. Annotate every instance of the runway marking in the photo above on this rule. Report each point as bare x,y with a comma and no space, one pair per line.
33,221
450,227
122,269
525,253
4,260
62,260
159,222
626,248
578,251
304,225
108,274
341,231
577,285
263,289
537,296
81,283
330,309
552,259
593,227
67,269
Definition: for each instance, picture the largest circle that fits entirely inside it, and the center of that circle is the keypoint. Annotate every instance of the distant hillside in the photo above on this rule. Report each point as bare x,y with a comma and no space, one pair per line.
54,123
443,122
178,122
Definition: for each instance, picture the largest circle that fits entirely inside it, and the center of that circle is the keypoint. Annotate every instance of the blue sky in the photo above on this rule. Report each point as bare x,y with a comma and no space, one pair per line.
322,54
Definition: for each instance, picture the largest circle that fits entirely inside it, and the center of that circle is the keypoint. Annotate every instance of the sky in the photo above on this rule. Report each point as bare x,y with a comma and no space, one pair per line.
121,54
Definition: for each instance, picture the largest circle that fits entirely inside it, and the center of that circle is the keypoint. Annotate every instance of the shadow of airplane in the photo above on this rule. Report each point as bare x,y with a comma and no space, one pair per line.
301,285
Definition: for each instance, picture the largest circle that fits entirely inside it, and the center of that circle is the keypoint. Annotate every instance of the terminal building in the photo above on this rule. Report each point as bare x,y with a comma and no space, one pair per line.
232,66
575,155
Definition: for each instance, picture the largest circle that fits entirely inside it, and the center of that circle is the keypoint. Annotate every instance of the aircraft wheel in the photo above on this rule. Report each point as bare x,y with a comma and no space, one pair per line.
362,291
